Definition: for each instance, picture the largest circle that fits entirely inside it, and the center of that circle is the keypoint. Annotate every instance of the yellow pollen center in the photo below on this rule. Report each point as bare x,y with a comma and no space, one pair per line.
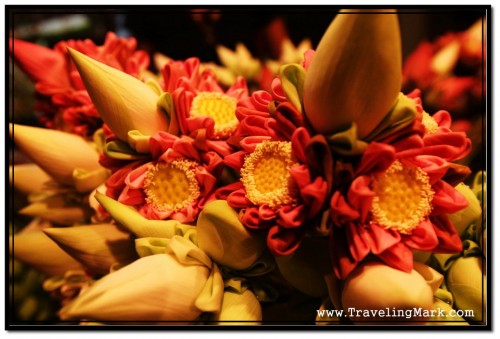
429,123
171,186
266,174
402,199
220,107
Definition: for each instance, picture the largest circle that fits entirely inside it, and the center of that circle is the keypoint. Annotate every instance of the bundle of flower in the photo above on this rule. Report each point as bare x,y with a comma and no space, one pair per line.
198,203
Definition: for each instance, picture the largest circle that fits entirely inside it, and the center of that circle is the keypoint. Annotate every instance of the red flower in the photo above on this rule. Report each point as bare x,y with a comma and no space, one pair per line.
397,202
203,110
175,184
277,190
281,189
66,104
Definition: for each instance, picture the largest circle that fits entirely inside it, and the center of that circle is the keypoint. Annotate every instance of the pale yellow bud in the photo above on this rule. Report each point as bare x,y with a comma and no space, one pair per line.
124,102
355,75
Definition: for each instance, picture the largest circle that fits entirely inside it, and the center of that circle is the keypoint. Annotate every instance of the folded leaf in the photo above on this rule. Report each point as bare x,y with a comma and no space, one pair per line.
133,221
239,308
224,238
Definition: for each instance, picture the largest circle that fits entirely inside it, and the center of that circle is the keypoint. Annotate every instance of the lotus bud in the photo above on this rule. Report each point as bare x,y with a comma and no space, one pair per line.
57,153
97,247
39,251
28,178
124,102
467,283
472,213
355,75
133,221
239,309
152,288
376,286
56,209
306,268
224,238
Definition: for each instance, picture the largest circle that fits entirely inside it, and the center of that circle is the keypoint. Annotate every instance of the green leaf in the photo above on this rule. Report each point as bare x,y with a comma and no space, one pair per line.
292,81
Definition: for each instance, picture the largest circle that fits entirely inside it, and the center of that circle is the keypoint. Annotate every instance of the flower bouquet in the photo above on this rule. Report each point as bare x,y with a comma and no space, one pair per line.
175,198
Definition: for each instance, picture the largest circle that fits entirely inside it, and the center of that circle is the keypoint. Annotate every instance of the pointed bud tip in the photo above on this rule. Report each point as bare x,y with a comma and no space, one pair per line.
364,51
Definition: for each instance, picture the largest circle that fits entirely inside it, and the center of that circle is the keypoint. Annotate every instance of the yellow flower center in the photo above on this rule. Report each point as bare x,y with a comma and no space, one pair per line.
402,199
266,174
171,186
220,107
429,123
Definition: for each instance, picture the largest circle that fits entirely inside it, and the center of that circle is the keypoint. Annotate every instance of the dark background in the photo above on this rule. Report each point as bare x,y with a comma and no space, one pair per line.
184,32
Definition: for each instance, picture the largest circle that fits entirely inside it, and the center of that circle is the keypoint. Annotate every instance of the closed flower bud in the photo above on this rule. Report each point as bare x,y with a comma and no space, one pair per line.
57,153
28,178
153,288
97,247
355,75
39,251
467,283
376,286
472,213
124,102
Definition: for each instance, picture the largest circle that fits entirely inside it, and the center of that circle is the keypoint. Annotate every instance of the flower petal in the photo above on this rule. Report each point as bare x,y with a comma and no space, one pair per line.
284,241
360,196
423,237
449,241
447,199
35,60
